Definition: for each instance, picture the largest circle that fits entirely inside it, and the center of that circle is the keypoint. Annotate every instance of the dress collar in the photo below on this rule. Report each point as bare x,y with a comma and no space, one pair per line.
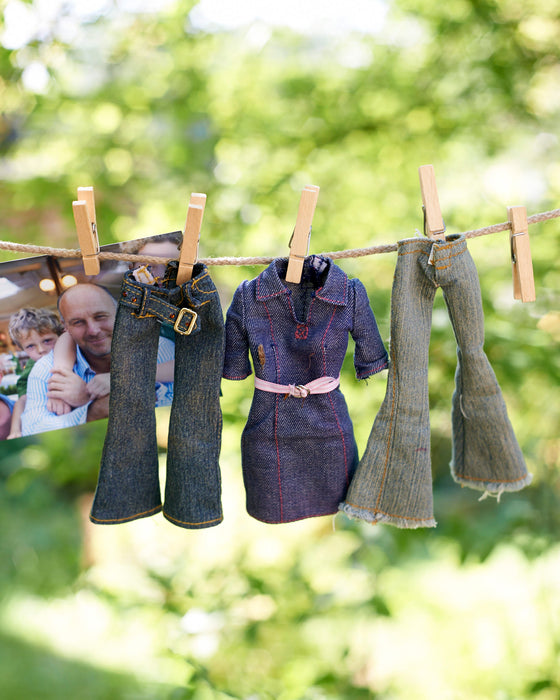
270,282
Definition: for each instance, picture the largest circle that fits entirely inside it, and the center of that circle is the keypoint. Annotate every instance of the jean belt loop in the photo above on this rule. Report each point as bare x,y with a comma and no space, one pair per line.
146,293
431,256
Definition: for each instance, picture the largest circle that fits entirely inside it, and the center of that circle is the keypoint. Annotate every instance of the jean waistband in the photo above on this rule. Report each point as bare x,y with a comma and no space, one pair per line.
149,302
322,385
452,245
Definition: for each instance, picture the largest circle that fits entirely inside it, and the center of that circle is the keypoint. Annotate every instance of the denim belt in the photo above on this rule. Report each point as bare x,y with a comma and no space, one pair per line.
149,302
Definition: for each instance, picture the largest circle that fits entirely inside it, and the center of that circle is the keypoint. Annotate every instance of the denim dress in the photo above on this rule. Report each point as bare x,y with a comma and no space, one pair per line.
299,453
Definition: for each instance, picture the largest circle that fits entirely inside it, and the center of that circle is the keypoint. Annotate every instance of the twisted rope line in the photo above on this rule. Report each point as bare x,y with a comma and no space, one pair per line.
335,255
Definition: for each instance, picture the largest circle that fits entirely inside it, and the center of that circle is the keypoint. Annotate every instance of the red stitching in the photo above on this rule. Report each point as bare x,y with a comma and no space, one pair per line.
267,296
368,373
323,343
292,520
330,397
333,301
278,458
342,438
276,419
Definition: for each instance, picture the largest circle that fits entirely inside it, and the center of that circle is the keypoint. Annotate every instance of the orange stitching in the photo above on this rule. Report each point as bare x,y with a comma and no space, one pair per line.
425,252
452,256
449,245
194,285
183,522
389,440
493,481
193,301
128,517
416,250
382,512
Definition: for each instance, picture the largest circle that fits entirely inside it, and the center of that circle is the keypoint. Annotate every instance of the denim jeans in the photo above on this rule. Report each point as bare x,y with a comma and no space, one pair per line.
128,485
393,482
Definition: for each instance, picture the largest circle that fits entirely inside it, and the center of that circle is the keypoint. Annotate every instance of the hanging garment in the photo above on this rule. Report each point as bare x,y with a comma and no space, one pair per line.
393,481
298,449
128,485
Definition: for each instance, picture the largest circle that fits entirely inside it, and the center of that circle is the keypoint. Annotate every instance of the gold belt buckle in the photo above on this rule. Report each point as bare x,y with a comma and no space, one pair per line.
192,322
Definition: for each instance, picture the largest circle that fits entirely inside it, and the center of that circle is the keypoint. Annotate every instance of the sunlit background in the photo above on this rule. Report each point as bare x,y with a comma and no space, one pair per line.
248,102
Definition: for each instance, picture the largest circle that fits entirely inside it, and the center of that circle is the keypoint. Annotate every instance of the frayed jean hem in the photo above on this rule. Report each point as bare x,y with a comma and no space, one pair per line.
494,487
374,516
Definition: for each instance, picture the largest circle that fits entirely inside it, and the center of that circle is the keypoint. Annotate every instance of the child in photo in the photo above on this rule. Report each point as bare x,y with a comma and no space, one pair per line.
35,331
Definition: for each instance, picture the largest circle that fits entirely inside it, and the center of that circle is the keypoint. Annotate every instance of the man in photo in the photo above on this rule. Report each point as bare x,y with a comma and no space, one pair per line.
88,312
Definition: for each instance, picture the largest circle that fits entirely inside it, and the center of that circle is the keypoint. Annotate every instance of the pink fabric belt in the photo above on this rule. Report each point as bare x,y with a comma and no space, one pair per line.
318,386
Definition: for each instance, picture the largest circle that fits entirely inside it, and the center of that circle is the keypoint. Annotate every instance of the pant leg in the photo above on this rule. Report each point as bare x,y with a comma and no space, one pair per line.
393,481
486,454
193,489
128,484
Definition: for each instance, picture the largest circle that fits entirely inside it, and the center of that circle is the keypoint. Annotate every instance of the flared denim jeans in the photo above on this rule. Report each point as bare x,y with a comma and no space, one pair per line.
128,485
393,481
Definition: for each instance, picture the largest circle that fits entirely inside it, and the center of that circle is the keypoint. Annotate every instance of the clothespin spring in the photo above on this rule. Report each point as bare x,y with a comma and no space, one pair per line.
308,240
435,233
511,237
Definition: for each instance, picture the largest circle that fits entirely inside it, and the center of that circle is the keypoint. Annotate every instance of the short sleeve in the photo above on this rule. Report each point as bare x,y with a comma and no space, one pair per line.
370,355
236,360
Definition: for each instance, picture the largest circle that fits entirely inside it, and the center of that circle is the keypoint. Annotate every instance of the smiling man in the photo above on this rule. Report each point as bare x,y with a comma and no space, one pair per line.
88,312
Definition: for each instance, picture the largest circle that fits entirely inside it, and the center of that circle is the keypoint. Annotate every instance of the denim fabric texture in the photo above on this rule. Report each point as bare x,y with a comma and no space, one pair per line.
299,454
393,482
128,486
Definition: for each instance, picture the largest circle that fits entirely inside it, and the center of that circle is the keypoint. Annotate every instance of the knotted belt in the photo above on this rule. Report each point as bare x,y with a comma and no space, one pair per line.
322,385
146,302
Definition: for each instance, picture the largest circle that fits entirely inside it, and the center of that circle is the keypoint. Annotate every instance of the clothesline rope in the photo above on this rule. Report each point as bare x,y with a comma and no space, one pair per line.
335,255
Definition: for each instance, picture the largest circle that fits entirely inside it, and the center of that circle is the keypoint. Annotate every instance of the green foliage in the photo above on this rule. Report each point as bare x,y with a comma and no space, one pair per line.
30,672
148,107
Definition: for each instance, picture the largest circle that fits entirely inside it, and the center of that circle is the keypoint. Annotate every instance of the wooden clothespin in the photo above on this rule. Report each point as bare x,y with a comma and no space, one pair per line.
434,226
191,236
300,239
521,261
86,227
